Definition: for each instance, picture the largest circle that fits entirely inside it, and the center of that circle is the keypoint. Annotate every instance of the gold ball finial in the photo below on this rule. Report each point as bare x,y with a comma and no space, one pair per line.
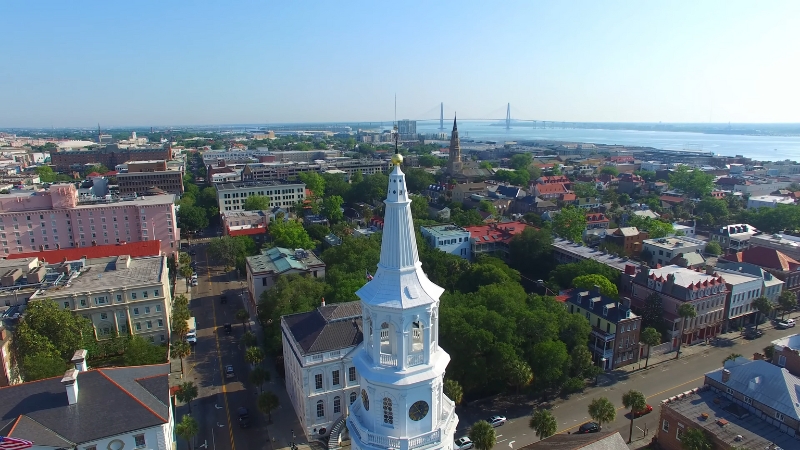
397,159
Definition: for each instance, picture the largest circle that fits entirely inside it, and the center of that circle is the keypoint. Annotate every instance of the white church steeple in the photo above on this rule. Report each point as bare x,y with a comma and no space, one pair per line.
400,365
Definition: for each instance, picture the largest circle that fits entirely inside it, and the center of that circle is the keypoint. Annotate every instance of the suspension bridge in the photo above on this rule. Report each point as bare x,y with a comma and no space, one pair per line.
493,116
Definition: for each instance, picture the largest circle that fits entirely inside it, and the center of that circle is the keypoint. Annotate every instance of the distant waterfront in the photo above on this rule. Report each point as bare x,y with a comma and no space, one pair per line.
766,148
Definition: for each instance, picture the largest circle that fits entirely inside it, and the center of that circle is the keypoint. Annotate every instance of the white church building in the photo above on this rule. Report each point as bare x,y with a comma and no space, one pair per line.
391,346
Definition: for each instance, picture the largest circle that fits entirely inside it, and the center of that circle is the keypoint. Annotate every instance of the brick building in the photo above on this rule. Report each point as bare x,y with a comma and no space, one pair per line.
109,156
628,238
143,175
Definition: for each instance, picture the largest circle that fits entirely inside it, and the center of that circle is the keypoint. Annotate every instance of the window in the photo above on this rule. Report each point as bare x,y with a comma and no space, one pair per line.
149,324
320,409
318,381
138,326
353,397
139,439
158,307
144,294
160,323
388,415
133,295
155,294
147,310
135,311
779,416
679,432
66,305
748,400
337,405
119,298
103,316
665,426
351,374
782,361
729,391
335,380
83,302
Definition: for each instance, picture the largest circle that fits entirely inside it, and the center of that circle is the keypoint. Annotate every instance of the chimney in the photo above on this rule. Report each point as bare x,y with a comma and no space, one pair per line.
709,270
79,360
726,375
70,382
323,301
626,302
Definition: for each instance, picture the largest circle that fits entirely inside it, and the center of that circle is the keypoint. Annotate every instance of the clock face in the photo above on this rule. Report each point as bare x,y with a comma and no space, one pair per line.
418,410
365,399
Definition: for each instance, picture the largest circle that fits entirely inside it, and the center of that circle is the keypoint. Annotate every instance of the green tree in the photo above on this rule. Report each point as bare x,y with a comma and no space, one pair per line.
635,401
695,439
650,337
695,183
453,390
488,207
180,350
192,218
543,423
482,435
520,161
717,208
419,207
713,248
581,363
609,170
332,208
654,227
519,374
686,311
764,306
590,281
267,402
186,273
187,391
787,302
256,203
731,357
290,294
563,274
601,410
653,313
138,351
314,182
42,365
187,428
769,352
242,316
585,190
249,339
254,356
290,234
259,376
550,358
418,180
570,223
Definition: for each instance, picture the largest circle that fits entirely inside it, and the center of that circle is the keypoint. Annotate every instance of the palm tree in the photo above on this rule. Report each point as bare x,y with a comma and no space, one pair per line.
763,306
543,423
650,337
249,339
254,355
695,439
482,435
187,429
186,273
259,376
686,311
602,410
787,301
635,401
519,374
267,401
243,316
453,390
180,349
731,357
187,392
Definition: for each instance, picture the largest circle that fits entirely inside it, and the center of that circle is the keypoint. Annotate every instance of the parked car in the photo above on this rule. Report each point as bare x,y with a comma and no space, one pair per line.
647,409
192,253
244,417
752,333
786,323
228,328
464,443
589,427
496,421
229,371
191,338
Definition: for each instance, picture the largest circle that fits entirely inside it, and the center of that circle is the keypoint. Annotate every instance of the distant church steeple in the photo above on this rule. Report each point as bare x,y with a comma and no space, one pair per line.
454,164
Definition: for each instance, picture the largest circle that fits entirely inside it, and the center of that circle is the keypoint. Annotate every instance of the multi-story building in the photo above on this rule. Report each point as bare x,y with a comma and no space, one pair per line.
109,408
231,196
704,291
786,353
734,237
628,238
566,252
746,404
108,155
142,175
407,129
463,191
119,295
494,239
742,289
263,270
768,201
6,375
614,340
449,238
318,348
773,261
785,243
595,221
55,218
245,223
662,250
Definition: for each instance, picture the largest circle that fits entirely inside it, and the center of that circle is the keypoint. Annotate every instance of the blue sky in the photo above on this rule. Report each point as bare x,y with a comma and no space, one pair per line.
154,63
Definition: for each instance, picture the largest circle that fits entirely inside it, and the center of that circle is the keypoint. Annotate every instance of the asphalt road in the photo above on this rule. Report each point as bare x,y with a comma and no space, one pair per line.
656,383
218,398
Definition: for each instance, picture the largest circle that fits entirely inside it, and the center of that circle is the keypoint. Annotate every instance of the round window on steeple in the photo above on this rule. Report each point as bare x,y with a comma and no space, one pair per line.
418,410
365,399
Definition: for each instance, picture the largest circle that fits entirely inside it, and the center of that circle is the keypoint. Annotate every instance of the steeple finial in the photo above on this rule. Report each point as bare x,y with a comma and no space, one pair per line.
455,125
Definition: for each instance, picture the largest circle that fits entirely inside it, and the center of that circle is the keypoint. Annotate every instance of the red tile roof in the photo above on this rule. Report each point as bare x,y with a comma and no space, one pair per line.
768,258
248,231
569,197
596,218
671,199
133,249
552,179
94,174
501,232
551,188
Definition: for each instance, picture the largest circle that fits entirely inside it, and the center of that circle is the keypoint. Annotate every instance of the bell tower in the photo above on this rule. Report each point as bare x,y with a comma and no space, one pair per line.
400,365
454,164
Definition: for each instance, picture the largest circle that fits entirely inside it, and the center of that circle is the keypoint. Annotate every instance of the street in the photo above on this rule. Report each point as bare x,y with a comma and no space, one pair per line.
656,383
218,398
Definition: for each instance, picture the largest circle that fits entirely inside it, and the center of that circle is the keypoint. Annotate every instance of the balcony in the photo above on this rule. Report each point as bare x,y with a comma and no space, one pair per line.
600,334
388,360
606,353
415,359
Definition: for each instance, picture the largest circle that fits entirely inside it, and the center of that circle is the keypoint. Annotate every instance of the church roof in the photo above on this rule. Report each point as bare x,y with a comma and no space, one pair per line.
327,328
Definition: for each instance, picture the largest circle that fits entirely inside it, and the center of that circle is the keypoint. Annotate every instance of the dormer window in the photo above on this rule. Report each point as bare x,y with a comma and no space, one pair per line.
605,311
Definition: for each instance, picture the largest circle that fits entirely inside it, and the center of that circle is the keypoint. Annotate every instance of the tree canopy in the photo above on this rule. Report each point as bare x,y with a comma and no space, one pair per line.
290,234
256,203
570,223
607,288
695,182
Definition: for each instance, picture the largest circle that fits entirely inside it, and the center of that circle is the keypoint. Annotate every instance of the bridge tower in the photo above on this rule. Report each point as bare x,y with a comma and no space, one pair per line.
441,116
508,117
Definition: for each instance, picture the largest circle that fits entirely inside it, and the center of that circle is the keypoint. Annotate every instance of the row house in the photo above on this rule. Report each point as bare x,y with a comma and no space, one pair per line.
773,261
628,238
733,238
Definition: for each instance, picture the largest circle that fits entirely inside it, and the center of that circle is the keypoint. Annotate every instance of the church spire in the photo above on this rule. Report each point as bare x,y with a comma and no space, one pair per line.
455,124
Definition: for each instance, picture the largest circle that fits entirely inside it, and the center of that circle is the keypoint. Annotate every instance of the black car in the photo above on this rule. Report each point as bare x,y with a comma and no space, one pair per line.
752,333
192,253
227,328
244,417
589,427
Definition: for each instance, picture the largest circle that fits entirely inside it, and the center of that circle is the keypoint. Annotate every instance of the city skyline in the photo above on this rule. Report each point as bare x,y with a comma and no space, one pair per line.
175,64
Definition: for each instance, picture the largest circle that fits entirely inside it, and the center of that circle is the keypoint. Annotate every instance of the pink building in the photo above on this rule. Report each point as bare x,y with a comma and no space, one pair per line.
53,219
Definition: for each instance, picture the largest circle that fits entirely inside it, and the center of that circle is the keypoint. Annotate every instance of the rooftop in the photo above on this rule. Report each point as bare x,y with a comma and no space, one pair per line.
326,328
280,260
126,398
674,242
627,231
500,232
767,257
101,274
611,309
132,249
736,277
604,440
726,420
792,341
684,277
781,239
255,184
443,231
584,252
